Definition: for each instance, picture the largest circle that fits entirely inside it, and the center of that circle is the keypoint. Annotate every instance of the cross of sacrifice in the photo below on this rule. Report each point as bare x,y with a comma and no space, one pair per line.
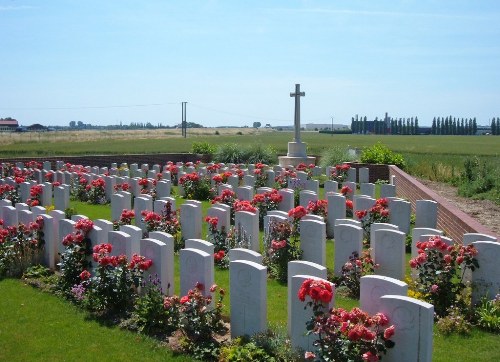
296,120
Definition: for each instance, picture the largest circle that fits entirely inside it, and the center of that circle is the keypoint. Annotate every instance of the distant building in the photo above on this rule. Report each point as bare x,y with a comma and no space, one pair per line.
8,124
324,126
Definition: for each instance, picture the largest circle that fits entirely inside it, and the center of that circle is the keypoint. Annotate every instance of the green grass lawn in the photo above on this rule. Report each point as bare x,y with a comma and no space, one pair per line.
36,326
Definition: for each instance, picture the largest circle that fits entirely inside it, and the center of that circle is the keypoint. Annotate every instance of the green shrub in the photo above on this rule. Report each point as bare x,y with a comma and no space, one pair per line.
258,153
234,153
203,148
478,178
229,153
149,315
275,342
454,322
335,155
488,314
242,351
381,154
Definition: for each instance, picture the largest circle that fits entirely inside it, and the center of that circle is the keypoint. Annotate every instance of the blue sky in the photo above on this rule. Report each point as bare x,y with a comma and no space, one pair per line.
235,62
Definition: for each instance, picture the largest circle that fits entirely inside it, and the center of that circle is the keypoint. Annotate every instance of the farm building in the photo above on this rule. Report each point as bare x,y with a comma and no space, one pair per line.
8,124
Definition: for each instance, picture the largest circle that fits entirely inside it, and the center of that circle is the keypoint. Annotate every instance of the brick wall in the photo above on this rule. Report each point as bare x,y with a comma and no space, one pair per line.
450,219
376,172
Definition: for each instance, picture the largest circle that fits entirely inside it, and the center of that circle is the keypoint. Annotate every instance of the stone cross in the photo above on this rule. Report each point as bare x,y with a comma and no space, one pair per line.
297,96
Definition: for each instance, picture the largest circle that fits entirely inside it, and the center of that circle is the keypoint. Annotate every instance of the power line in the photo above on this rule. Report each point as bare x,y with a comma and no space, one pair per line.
157,105
87,107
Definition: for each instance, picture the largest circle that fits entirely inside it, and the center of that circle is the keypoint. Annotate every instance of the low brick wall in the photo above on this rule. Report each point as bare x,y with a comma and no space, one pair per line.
450,219
376,172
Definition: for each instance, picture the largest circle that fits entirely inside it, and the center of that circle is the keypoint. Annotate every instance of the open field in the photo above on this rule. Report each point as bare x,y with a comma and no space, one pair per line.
160,141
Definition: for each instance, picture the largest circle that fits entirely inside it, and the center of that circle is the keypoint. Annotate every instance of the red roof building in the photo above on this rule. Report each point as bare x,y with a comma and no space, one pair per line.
8,124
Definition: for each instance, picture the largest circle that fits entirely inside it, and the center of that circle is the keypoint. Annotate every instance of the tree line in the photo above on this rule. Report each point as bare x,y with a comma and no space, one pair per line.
495,126
402,126
453,126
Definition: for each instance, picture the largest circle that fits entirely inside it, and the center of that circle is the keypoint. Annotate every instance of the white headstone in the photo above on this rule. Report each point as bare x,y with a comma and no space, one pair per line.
50,249
288,201
305,196
117,206
135,238
298,316
245,254
10,216
313,241
486,278
413,321
377,226
106,226
312,185
361,202
351,175
348,239
61,198
331,186
389,252
142,204
417,234
65,227
352,186
399,214
244,193
367,189
249,222
167,277
222,215
364,175
336,210
121,243
25,217
190,221
163,188
158,252
200,244
248,285
196,266
249,180
426,214
469,238
372,287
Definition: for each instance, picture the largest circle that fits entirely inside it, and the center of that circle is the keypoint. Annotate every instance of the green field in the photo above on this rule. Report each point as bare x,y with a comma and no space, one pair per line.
77,143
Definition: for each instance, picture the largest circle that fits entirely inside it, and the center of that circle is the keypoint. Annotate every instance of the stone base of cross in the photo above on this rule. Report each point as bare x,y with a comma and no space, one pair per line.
296,155
296,149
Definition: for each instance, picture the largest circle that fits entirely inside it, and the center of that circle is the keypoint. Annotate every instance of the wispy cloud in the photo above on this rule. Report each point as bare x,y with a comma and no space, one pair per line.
16,7
376,13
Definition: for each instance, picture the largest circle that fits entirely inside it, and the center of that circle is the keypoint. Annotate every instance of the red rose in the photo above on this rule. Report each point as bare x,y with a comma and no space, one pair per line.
389,332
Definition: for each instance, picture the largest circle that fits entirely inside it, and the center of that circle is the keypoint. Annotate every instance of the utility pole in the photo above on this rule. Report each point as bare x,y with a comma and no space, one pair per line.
183,121
332,126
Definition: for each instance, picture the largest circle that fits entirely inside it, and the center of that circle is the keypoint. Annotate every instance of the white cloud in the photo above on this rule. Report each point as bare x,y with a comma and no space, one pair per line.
17,7
376,13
